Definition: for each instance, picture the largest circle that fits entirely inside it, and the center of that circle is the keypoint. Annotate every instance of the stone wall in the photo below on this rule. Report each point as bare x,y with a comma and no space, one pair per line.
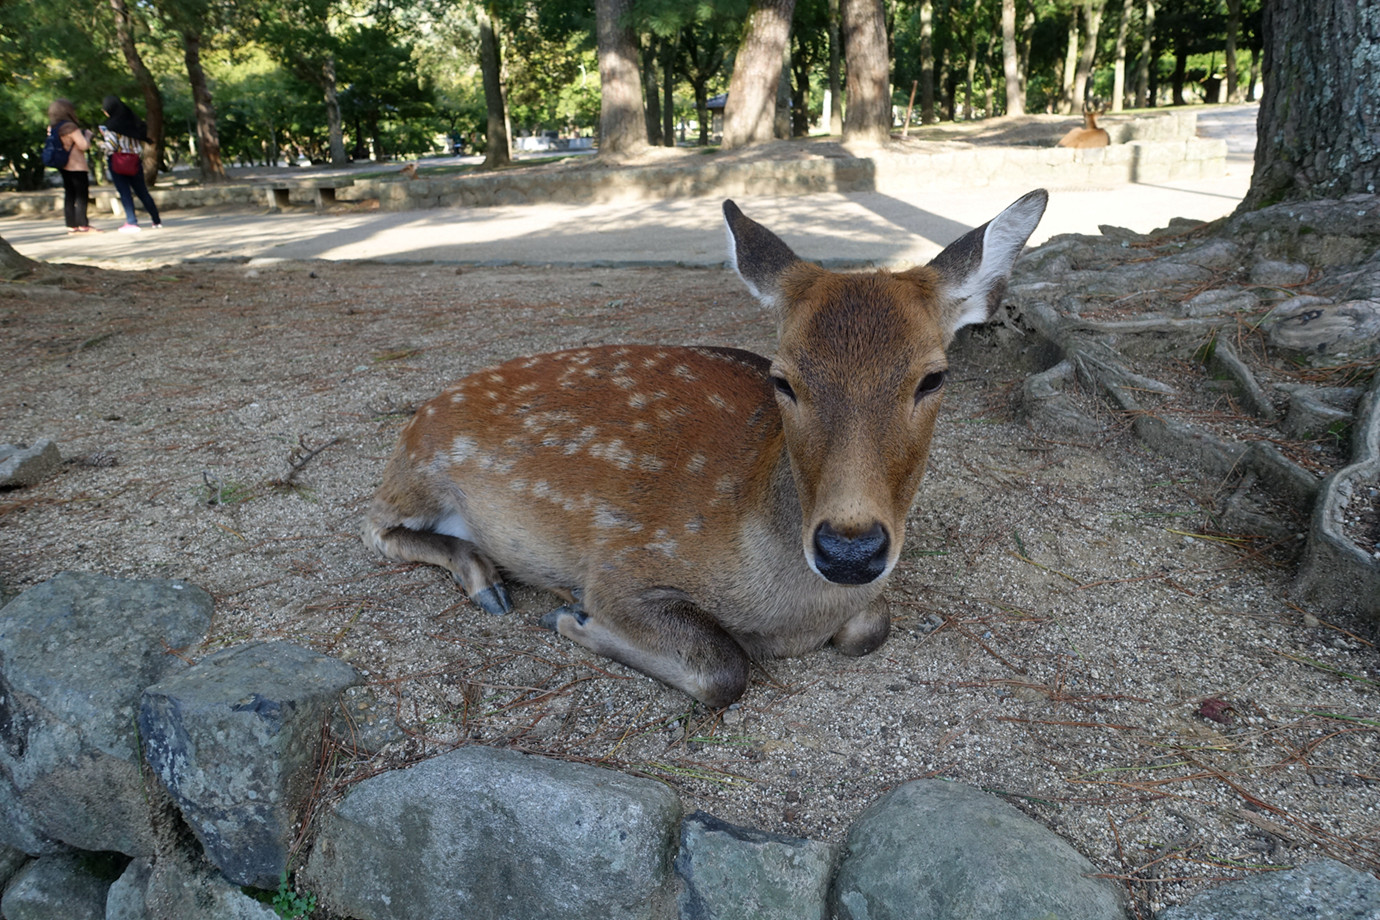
134,785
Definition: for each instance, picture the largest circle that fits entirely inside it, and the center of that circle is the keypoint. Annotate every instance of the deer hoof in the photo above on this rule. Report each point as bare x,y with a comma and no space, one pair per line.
553,619
494,599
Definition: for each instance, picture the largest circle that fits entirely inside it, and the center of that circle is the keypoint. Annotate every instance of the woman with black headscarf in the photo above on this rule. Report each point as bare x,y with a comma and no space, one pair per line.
76,180
123,135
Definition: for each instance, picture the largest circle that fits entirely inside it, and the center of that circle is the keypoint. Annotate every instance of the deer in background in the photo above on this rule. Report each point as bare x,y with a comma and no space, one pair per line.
1090,135
697,508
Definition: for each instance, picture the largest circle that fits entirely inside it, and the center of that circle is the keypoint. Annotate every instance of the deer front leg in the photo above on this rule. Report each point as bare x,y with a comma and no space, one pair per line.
474,572
866,631
668,638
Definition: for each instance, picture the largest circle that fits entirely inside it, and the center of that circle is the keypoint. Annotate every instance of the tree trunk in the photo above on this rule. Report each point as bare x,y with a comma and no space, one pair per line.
1092,19
668,101
1318,133
835,72
927,62
1070,65
1180,75
498,151
867,120
1011,62
1143,99
12,264
1119,57
208,138
651,93
334,126
750,112
622,131
971,76
1233,28
782,125
153,98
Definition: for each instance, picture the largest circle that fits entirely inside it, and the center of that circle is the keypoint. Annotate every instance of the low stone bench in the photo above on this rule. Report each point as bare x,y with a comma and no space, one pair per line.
107,194
321,191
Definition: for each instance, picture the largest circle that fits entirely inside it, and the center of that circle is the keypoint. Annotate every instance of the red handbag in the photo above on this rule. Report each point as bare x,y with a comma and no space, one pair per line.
125,164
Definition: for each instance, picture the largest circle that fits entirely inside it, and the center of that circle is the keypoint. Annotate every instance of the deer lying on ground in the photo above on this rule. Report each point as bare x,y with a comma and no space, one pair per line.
1090,135
700,507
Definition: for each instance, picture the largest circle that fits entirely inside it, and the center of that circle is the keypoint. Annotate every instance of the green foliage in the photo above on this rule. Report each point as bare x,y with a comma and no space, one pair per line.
290,905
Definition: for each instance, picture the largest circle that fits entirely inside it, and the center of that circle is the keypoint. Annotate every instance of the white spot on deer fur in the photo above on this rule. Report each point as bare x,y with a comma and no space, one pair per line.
606,518
491,394
462,449
663,543
517,485
495,378
614,452
624,382
638,400
683,372
456,397
725,485
696,463
430,410
717,401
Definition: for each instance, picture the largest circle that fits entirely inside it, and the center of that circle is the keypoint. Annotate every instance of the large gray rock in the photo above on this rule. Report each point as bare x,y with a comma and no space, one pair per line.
127,898
22,465
236,739
944,851
732,872
75,654
56,888
482,833
1322,890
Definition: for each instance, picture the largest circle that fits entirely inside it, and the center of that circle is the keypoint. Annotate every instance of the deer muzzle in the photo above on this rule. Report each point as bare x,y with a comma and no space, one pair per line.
851,560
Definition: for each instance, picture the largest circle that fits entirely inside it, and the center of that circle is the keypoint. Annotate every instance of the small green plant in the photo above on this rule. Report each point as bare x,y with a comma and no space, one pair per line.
290,905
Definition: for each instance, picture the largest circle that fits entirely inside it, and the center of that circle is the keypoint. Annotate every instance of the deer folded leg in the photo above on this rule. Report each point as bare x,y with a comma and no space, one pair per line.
670,639
471,569
866,632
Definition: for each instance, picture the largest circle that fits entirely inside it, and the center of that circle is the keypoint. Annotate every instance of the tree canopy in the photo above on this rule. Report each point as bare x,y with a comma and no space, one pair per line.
226,83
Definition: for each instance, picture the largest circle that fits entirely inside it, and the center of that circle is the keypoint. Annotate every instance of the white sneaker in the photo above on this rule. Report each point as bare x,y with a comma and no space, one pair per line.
131,228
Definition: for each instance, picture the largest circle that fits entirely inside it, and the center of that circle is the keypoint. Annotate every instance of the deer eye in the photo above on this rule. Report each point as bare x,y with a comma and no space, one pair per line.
929,384
783,387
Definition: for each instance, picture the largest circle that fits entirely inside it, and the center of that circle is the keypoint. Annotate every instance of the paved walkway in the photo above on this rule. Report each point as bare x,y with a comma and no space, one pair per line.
852,228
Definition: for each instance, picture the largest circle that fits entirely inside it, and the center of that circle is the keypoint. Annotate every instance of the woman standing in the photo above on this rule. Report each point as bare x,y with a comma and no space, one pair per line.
76,180
123,133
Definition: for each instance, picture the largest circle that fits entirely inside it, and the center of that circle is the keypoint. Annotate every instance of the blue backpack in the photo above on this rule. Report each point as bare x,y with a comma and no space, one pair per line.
54,154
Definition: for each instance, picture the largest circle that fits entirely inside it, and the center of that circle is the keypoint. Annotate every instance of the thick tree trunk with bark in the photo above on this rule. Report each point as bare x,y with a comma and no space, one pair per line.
1011,62
750,111
835,71
153,97
1119,57
1233,28
1147,40
927,62
207,135
497,147
1318,134
335,127
868,117
622,130
1092,21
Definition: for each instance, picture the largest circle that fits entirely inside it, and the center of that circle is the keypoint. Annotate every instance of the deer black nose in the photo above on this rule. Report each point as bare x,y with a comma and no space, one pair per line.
851,560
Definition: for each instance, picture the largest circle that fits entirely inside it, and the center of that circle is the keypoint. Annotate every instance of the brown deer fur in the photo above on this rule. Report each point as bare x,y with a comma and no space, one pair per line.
1090,135
700,507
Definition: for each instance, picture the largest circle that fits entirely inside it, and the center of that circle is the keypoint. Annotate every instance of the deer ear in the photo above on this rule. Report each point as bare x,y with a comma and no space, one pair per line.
757,255
974,268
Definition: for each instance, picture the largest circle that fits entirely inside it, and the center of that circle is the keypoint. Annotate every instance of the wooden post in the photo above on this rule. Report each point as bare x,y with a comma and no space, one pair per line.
905,126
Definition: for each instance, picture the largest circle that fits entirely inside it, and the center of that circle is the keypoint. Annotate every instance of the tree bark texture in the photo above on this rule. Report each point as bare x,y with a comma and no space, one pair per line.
153,97
1119,57
207,135
835,71
497,146
334,126
1233,29
927,62
1070,64
867,119
1318,134
750,111
1011,62
13,264
1092,20
1147,41
622,130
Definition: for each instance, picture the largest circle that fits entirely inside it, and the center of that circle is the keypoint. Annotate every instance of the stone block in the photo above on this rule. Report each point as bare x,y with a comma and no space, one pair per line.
236,739
22,465
75,654
731,872
55,888
937,849
483,833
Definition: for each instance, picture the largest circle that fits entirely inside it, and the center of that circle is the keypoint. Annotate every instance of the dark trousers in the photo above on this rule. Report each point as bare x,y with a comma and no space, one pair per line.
76,188
128,187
